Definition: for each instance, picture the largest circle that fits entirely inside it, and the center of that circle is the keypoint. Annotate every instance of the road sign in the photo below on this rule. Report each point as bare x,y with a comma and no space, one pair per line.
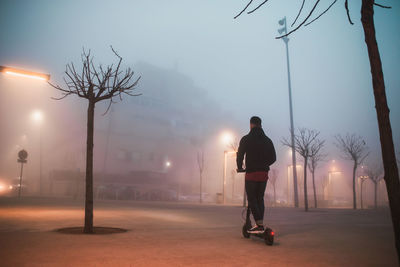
22,156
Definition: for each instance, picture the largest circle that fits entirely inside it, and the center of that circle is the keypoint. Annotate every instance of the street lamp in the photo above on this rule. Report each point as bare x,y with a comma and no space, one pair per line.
285,39
226,153
227,139
168,164
37,117
24,73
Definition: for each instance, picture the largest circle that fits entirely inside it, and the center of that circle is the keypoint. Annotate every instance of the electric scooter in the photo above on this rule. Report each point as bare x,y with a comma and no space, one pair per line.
267,235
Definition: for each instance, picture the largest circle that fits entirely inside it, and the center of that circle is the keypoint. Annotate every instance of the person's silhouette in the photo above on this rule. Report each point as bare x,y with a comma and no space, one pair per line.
260,154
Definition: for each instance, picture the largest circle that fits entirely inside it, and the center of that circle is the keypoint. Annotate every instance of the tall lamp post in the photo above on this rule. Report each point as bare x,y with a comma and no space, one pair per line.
282,22
37,117
227,139
226,154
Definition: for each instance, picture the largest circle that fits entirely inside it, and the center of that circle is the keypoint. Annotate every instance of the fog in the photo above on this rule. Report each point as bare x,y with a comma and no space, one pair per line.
202,74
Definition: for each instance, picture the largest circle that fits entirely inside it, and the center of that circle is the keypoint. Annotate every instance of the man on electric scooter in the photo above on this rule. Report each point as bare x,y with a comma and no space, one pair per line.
260,154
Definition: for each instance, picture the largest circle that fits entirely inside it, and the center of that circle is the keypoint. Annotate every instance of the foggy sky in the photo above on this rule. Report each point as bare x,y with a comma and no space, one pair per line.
239,62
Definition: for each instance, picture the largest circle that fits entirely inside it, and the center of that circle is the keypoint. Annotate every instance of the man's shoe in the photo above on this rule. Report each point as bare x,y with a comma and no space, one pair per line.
257,229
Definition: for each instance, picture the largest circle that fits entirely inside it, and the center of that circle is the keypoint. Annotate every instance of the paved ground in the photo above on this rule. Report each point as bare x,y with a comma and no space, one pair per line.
175,234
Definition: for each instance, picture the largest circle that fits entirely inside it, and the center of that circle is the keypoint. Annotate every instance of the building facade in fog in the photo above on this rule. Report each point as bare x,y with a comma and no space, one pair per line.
156,135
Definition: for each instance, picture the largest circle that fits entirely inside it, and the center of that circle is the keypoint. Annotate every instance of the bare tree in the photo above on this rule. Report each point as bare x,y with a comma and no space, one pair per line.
272,177
375,175
200,164
353,148
307,145
391,171
95,84
317,157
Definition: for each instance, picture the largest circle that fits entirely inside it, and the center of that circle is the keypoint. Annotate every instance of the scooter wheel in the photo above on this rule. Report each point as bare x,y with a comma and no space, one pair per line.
244,232
269,237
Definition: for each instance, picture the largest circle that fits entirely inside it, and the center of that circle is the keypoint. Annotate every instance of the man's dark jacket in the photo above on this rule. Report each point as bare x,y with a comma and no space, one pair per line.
259,150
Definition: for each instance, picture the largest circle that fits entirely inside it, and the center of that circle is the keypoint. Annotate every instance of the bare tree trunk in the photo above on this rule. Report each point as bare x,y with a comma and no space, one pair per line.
362,183
89,169
354,186
305,185
376,195
201,192
315,192
385,130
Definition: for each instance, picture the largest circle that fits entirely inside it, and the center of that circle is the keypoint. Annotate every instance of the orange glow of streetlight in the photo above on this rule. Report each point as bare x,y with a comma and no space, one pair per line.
227,138
37,116
25,73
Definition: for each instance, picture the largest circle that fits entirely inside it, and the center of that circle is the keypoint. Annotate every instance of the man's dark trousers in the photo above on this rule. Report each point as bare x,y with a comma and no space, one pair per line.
255,195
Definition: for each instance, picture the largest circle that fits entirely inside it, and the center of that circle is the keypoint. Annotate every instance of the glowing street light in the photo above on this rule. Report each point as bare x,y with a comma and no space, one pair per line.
168,164
24,73
37,117
227,138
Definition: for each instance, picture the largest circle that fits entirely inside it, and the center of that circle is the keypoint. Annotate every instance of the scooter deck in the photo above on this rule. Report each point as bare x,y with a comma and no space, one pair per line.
268,235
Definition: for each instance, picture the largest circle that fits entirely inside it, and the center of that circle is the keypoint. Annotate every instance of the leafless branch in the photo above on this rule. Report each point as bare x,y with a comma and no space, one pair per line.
346,6
98,84
302,23
234,145
374,173
298,14
317,157
353,147
305,21
382,6
306,141
260,5
244,9
326,10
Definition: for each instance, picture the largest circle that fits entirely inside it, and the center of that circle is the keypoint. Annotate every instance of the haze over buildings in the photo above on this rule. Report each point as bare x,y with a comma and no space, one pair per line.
202,73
